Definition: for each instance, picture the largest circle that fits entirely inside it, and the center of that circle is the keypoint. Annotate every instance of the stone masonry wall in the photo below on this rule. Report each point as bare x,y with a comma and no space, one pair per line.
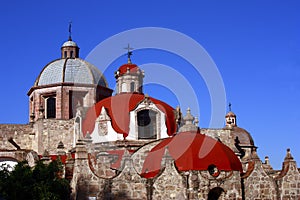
21,134
49,132
257,184
288,180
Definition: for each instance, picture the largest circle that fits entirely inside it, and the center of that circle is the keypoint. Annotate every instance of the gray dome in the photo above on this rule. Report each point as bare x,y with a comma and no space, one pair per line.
69,43
70,70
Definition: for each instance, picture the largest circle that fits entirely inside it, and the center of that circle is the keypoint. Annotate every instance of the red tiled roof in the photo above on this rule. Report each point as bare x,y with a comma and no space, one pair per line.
191,151
133,68
118,108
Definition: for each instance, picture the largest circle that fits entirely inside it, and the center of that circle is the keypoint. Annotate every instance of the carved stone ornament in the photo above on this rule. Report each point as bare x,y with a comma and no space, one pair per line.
102,128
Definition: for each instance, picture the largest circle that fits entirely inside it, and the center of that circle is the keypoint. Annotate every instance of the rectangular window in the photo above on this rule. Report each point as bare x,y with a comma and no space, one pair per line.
146,124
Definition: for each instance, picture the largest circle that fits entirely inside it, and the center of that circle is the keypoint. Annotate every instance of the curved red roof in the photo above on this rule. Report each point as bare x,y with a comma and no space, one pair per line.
133,68
118,108
191,151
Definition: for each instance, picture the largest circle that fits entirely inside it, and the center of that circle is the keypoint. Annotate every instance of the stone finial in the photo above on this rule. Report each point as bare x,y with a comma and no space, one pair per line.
45,157
103,115
288,155
60,145
88,136
167,158
254,155
178,115
188,120
267,161
126,159
46,153
196,121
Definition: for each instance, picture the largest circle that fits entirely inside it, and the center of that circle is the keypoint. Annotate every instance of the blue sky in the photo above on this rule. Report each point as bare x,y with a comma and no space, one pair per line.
254,44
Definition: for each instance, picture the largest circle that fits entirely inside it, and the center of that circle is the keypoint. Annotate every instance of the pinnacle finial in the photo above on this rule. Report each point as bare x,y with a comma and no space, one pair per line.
229,106
288,155
129,52
70,31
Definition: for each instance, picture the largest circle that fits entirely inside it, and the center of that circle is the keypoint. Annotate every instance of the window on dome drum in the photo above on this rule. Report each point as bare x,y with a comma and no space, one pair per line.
75,99
51,107
71,54
132,86
124,87
65,54
146,124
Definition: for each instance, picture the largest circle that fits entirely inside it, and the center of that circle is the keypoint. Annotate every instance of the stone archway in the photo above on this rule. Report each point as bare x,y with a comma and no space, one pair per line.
215,193
18,156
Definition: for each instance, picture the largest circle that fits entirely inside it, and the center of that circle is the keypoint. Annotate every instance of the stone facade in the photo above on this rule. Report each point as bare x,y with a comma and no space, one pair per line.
113,169
93,177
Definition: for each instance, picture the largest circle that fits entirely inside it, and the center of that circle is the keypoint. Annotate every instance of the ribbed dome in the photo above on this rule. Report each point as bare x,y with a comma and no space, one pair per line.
70,70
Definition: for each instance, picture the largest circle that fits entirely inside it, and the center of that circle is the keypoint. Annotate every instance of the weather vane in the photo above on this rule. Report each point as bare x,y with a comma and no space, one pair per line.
70,31
129,53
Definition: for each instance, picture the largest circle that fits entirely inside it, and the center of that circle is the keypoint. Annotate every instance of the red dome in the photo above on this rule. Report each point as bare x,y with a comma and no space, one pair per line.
118,108
191,151
133,68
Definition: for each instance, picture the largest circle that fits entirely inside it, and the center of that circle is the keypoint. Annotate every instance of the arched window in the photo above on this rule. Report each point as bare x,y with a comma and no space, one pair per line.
147,124
51,107
71,54
132,87
215,193
124,87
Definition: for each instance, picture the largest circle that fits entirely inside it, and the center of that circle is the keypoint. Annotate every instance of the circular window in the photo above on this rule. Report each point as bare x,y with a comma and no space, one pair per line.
213,170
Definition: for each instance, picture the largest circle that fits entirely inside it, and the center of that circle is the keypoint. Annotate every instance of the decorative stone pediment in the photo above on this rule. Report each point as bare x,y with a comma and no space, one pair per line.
103,116
146,101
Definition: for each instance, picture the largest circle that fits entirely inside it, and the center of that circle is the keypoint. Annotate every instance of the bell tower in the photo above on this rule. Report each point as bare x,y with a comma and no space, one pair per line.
230,118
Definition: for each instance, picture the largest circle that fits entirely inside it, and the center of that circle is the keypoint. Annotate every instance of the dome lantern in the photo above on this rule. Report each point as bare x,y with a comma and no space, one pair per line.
129,77
70,49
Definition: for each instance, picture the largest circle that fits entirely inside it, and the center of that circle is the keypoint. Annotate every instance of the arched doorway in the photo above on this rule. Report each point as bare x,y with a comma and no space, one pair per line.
215,193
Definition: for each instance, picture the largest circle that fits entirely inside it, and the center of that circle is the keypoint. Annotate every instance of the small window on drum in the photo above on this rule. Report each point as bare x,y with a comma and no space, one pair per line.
146,124
51,108
132,87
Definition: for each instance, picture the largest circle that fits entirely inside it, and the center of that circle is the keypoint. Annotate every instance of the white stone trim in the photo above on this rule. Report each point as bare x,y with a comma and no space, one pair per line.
111,134
160,121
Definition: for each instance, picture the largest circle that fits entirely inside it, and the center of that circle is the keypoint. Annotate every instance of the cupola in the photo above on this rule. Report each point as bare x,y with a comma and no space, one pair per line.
129,77
70,49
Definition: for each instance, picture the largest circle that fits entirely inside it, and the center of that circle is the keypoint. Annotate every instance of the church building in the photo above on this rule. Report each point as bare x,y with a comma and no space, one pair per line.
133,146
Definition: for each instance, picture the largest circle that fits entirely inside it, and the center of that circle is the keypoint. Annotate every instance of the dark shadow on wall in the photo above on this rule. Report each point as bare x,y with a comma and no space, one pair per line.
83,193
215,193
